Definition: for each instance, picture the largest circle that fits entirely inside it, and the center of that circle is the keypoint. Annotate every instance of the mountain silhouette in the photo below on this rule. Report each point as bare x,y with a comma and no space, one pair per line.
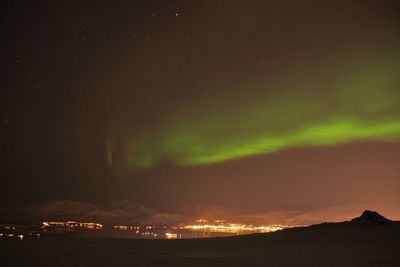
371,217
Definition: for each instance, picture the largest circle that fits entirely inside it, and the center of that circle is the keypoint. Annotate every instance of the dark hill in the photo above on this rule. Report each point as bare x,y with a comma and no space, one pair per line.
371,217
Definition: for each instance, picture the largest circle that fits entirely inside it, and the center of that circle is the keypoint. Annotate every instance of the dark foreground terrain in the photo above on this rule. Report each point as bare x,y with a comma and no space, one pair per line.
356,243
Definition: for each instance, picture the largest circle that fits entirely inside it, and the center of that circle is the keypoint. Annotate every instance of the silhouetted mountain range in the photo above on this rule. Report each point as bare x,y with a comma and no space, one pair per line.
129,212
118,212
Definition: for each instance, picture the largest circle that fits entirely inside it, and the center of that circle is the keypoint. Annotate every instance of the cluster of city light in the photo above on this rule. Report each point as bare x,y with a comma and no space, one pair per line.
207,228
128,227
73,224
136,229
171,236
202,225
12,236
122,227
233,228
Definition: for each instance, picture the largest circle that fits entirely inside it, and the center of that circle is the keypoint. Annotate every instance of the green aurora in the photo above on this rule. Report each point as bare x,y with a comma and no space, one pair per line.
360,102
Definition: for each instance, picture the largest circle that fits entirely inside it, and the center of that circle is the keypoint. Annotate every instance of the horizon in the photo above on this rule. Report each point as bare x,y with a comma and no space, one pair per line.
130,213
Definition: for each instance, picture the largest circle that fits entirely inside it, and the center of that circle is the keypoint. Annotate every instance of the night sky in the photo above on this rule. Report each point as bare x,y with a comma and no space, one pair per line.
251,106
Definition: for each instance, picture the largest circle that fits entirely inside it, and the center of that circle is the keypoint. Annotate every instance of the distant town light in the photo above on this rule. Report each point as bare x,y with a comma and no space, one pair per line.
171,236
